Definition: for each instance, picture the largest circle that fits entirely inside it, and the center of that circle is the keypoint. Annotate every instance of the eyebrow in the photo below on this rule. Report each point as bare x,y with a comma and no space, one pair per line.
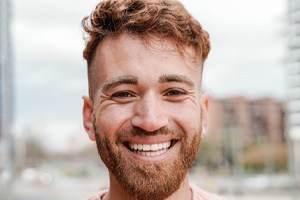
176,78
114,82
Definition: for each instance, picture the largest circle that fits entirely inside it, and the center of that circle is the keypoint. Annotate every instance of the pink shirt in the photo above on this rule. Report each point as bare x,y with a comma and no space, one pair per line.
198,194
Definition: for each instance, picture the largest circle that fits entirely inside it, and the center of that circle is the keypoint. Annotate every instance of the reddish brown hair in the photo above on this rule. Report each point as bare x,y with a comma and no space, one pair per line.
166,19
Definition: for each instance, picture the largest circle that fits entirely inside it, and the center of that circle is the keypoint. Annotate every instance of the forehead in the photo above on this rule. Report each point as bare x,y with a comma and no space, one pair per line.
128,55
133,46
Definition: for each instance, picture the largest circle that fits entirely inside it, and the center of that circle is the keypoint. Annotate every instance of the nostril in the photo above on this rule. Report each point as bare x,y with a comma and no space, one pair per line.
149,115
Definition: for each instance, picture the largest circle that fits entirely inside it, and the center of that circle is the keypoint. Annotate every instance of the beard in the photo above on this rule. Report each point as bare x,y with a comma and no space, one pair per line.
147,180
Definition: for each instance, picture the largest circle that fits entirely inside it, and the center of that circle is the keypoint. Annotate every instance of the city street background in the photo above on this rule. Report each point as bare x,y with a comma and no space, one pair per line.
251,147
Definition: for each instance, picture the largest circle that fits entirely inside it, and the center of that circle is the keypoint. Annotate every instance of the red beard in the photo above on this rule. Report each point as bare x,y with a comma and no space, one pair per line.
147,180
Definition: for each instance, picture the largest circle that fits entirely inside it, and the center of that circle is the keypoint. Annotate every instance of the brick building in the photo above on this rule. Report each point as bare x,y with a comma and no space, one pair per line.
252,120
238,124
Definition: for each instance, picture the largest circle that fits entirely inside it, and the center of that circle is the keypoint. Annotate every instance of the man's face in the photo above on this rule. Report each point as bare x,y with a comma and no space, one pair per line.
147,114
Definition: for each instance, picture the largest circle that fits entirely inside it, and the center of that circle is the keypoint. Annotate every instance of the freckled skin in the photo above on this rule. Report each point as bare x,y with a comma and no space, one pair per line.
152,88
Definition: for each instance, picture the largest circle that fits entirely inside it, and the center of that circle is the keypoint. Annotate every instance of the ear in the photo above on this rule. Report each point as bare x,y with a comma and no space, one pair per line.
204,111
87,115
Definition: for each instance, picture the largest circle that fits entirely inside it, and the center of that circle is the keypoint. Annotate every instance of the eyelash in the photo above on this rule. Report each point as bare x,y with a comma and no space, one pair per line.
176,91
127,95
122,95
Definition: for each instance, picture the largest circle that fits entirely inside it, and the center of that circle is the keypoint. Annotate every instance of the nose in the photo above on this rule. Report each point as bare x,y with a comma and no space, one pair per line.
150,114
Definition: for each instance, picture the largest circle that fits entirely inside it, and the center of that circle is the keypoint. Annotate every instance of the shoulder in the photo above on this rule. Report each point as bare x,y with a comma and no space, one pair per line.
97,196
198,194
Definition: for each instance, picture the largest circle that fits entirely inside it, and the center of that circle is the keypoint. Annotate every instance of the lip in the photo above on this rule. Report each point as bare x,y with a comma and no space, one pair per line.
164,156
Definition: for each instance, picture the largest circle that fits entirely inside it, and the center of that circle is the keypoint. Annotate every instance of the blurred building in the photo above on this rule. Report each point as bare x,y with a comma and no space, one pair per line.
6,87
293,89
254,120
238,123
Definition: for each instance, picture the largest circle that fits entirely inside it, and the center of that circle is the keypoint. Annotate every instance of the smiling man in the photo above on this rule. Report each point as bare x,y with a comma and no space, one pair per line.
145,109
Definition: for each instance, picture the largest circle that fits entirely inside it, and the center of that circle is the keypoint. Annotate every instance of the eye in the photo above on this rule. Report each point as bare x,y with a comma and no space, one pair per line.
122,95
175,93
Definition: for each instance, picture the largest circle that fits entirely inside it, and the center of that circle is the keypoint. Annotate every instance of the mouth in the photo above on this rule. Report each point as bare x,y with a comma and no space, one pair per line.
150,150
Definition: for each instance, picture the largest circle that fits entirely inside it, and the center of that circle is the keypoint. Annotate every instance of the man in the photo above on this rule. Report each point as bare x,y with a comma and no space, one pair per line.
145,108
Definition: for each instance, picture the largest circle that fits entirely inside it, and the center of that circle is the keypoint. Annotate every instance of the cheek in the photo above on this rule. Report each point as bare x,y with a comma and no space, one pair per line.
113,118
188,117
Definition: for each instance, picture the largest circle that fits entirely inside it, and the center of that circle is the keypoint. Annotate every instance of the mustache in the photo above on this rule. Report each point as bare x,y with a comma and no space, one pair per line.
136,131
125,134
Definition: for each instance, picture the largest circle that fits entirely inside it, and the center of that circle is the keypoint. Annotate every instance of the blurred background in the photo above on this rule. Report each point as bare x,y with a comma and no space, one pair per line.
250,150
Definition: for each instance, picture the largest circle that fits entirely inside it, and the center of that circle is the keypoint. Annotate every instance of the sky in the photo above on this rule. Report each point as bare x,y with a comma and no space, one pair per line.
247,58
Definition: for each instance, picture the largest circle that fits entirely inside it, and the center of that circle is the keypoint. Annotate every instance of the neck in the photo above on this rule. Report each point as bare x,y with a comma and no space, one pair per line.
116,192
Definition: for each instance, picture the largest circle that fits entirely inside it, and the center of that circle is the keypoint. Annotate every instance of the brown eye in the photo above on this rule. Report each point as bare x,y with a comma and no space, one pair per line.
122,95
175,93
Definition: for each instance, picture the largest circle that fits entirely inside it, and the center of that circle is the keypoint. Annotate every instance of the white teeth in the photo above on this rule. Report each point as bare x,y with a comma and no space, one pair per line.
151,153
140,147
164,145
148,147
154,147
160,146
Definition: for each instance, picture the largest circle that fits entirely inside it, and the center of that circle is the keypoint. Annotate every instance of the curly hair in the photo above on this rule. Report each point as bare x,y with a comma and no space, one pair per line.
166,19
